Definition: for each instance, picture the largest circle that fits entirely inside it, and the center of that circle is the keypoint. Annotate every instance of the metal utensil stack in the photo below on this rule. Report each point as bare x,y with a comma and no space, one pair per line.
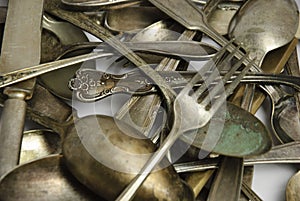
102,143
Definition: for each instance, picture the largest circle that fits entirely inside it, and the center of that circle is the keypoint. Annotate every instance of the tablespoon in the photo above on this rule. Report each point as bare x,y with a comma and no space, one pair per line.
42,180
260,38
275,28
283,105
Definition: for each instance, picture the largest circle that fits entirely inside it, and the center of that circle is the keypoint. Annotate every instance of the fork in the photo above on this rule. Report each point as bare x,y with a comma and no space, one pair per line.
186,103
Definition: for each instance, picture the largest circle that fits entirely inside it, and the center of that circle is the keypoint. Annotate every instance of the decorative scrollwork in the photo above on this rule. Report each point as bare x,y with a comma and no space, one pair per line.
90,85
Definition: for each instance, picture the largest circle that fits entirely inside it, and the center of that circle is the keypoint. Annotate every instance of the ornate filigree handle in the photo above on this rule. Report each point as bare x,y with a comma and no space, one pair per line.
91,85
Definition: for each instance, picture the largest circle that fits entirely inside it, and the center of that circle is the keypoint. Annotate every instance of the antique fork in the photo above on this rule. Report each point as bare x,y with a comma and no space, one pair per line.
186,104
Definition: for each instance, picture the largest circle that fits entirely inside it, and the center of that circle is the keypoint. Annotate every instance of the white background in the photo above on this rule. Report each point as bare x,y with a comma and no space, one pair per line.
269,180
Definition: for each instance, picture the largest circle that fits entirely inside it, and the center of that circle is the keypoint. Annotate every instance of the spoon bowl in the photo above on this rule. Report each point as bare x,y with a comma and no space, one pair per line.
41,180
56,36
105,163
243,135
260,31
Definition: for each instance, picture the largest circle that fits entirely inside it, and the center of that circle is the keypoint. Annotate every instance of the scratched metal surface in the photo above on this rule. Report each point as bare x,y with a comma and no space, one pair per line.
269,180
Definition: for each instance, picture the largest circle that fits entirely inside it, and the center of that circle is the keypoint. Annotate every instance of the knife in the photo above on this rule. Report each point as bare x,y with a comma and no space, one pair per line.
20,48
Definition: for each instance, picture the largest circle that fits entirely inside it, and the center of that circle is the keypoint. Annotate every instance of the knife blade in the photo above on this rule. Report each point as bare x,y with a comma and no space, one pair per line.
20,48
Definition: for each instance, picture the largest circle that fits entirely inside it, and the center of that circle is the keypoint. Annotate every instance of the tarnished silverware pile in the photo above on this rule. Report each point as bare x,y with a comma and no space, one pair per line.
146,100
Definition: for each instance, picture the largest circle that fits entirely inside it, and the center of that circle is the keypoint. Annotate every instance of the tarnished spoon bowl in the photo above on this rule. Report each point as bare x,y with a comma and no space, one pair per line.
42,180
105,155
242,135
57,35
261,29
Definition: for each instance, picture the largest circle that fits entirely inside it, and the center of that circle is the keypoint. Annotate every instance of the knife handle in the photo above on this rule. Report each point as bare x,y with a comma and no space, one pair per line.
11,128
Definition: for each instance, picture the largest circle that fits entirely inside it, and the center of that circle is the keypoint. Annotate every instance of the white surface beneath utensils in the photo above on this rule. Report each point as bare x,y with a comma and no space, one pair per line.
269,180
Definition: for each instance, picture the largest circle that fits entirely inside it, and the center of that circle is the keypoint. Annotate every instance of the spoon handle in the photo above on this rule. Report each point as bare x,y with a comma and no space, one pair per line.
286,153
92,85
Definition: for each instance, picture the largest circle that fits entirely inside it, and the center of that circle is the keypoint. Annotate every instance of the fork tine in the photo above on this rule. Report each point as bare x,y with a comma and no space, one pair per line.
230,88
207,67
220,85
213,75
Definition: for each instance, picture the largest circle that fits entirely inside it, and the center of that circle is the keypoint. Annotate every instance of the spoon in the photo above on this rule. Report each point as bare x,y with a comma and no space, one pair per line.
261,31
136,83
168,176
109,164
61,34
241,129
292,68
292,188
41,180
164,177
260,38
